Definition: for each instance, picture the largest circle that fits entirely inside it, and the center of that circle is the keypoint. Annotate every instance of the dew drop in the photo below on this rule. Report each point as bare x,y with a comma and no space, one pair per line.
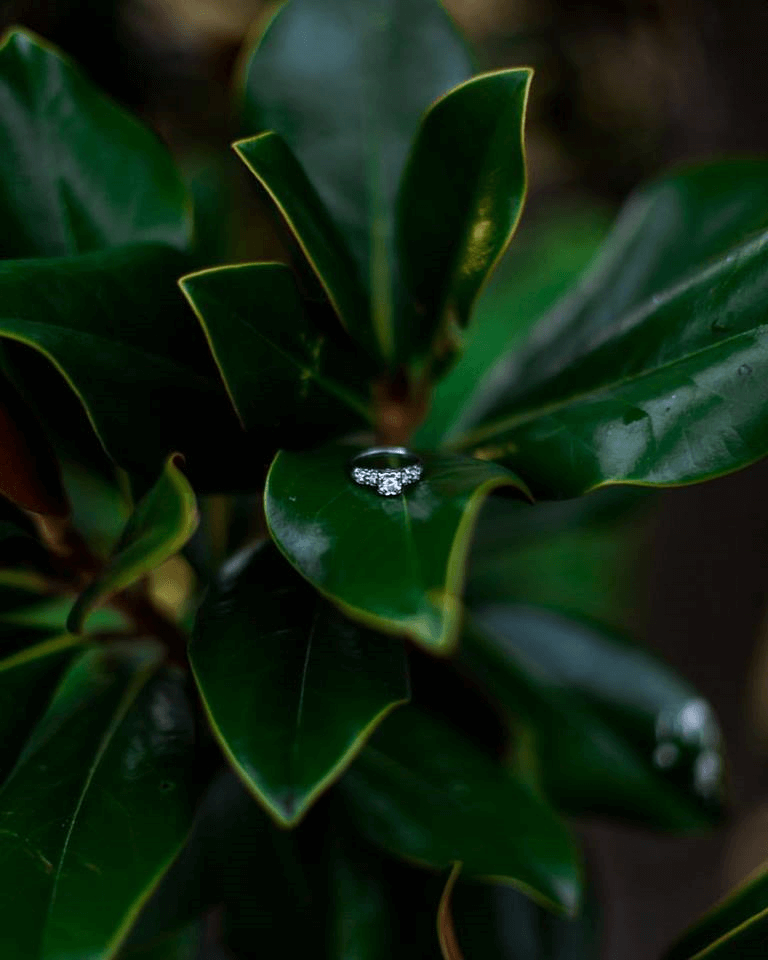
744,370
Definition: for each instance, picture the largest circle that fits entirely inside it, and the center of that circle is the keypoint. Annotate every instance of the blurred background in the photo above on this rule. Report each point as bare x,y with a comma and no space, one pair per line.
623,89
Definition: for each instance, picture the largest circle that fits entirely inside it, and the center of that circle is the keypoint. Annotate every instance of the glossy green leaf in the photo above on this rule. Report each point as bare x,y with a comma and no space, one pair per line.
468,163
115,325
424,792
281,369
396,563
735,929
161,524
346,85
77,173
647,375
97,806
28,677
546,258
292,688
616,732
270,159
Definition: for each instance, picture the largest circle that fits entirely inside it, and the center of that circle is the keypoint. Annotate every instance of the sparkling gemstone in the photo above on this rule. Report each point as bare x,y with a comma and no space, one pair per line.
390,484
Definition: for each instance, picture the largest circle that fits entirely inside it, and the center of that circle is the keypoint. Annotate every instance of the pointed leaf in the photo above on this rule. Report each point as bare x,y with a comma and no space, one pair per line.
77,173
425,793
271,161
158,528
467,163
648,375
280,368
115,325
97,806
292,688
735,929
346,85
396,563
616,732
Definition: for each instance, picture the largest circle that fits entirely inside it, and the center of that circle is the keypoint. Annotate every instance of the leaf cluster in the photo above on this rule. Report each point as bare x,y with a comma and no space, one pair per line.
234,684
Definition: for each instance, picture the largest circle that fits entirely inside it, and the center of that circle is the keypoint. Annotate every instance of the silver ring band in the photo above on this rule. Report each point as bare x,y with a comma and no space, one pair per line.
389,481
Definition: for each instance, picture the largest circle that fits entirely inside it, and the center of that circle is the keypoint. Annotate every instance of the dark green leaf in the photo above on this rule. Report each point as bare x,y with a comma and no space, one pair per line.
735,929
279,172
542,263
77,173
616,732
115,325
280,368
97,806
423,792
396,563
363,919
28,678
157,529
648,375
292,688
346,85
460,200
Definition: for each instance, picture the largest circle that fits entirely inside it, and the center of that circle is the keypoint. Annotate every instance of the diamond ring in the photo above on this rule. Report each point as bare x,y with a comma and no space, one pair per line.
388,469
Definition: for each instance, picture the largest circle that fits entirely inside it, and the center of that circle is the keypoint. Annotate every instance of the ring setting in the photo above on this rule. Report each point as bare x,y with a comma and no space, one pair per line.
389,470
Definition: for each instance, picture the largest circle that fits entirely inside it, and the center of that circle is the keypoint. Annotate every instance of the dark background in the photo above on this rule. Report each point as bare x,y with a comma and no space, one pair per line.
622,91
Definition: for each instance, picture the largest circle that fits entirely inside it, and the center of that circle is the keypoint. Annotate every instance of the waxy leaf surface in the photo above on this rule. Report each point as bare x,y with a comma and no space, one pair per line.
424,792
346,85
97,806
735,929
650,375
467,163
77,173
396,563
292,688
116,326
284,373
616,732
161,524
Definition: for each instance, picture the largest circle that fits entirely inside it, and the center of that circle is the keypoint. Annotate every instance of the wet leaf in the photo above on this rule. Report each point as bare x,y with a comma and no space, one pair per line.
55,200
158,528
616,733
648,375
467,162
292,688
97,806
395,563
424,792
346,85
282,371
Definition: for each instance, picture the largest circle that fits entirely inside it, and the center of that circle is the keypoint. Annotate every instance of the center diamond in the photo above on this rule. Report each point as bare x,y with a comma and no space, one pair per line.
390,483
